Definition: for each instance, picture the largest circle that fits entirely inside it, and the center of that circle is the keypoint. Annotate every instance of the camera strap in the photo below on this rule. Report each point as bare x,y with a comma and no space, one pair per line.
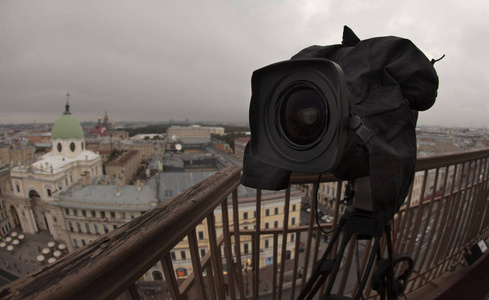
356,124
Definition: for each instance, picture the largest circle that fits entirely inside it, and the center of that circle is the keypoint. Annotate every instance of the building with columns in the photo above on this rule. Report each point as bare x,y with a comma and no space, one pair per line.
35,186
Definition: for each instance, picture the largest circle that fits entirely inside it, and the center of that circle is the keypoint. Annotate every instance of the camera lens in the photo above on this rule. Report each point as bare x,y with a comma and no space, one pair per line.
303,115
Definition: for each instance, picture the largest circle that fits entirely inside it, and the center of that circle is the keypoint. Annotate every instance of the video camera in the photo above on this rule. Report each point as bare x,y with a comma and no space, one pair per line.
348,109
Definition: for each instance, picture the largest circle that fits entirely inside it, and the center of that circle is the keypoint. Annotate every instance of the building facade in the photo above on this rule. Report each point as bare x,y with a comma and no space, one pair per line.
35,186
125,166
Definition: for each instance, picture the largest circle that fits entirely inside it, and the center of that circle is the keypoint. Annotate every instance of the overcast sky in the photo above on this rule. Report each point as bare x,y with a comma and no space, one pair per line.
161,60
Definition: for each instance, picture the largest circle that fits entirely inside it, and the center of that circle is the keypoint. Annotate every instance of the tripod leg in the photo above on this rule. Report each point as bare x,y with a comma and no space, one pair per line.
390,277
368,269
318,274
337,261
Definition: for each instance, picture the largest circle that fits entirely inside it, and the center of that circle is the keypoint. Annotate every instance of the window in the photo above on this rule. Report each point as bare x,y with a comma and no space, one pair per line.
112,214
173,255
78,226
72,147
266,244
59,147
83,242
87,227
245,215
18,188
292,221
181,272
201,235
67,211
70,226
202,253
102,214
114,226
75,212
276,210
95,227
294,207
267,212
292,238
123,215
267,225
246,248
132,215
75,243
84,213
275,224
66,181
50,194
106,229
93,213
245,227
183,255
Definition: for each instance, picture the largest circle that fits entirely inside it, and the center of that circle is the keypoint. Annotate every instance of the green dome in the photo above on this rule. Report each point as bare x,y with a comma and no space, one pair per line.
67,127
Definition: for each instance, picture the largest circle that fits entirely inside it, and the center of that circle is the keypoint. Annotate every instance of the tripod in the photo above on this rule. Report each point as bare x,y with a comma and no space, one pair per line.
364,224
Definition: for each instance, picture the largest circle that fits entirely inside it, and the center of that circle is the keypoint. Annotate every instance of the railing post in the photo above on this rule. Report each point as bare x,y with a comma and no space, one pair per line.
216,255
170,279
197,270
232,280
256,248
237,244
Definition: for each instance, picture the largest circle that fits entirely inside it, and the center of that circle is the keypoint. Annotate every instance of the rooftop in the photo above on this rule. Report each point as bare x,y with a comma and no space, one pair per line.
111,196
123,158
57,162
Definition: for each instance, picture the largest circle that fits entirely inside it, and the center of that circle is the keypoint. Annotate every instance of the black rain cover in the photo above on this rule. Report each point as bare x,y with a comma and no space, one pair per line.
389,79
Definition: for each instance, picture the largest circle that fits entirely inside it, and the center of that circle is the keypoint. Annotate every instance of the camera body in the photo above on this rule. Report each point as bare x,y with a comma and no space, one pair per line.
299,115
348,109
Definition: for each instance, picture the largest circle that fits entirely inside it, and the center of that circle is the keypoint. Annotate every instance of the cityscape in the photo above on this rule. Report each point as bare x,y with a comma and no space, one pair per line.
128,169
65,185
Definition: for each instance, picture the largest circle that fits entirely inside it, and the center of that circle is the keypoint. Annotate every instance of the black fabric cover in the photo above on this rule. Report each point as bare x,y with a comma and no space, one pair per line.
389,79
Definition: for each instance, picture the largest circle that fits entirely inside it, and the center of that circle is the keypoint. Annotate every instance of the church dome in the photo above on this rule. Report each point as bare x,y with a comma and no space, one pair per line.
67,127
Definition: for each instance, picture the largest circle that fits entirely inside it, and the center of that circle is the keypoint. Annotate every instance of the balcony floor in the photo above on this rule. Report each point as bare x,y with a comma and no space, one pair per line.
468,283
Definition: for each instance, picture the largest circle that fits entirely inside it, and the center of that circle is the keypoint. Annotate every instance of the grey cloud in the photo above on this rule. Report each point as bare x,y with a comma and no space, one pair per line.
157,60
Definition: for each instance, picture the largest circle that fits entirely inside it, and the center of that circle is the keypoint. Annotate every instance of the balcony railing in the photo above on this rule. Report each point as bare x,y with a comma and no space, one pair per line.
445,213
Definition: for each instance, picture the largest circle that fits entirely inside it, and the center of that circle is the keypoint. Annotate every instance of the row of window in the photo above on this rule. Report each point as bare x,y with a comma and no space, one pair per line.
276,224
86,228
72,147
276,211
6,228
183,254
101,214
82,243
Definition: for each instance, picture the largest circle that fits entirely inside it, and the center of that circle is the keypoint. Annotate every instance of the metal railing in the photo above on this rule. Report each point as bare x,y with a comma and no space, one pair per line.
445,213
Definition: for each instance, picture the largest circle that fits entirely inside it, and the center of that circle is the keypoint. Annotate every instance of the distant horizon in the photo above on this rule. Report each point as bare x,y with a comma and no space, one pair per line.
190,122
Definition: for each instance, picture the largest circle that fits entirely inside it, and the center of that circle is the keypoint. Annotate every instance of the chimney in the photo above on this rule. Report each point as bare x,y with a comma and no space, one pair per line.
122,179
138,182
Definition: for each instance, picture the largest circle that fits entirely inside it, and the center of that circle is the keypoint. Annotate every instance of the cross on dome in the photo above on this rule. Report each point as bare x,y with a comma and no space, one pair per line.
67,106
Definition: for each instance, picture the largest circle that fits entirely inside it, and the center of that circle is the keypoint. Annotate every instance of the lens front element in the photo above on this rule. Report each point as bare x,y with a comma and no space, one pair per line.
304,115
